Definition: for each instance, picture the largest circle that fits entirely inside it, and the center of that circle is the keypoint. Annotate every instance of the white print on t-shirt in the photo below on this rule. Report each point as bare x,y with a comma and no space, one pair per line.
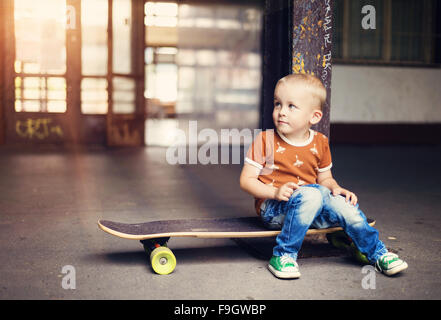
298,163
280,148
273,167
300,181
314,150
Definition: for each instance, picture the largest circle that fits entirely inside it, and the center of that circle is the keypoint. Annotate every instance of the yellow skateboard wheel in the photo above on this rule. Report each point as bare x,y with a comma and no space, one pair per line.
163,260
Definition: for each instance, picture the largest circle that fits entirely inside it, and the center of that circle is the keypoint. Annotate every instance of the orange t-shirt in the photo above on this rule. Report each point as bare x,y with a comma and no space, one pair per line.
281,161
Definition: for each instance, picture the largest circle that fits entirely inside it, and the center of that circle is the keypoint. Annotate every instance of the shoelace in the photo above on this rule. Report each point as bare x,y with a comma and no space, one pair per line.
387,259
287,259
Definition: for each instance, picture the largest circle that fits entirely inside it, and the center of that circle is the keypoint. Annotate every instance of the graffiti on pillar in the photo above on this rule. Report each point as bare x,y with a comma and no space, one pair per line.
37,128
312,45
312,38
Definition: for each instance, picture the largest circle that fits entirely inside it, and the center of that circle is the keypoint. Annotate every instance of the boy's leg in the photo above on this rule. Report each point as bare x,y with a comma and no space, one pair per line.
354,223
294,217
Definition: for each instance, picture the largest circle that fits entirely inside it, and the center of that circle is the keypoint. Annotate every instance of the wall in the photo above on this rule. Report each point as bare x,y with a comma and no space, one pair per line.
376,94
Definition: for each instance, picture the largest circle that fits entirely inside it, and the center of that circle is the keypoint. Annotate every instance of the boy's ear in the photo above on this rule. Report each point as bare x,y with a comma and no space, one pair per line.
316,116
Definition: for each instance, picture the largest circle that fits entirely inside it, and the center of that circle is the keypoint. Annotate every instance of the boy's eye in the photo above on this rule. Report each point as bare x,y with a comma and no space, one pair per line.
276,104
291,106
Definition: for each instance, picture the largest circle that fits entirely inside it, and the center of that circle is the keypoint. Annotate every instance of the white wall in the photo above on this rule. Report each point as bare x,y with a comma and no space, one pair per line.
373,94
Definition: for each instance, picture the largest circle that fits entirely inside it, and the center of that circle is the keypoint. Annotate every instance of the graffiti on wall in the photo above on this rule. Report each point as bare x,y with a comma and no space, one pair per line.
123,135
37,128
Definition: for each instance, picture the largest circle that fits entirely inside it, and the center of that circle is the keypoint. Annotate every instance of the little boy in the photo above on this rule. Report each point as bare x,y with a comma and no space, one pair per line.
288,171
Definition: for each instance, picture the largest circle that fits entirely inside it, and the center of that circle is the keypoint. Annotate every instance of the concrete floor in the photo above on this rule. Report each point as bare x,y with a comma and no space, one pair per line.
50,201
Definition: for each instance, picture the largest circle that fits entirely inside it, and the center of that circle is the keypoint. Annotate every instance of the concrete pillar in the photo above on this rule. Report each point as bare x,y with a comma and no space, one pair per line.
297,38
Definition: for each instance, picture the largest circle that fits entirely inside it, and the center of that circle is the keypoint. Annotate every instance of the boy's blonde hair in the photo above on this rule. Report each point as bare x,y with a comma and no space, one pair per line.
312,83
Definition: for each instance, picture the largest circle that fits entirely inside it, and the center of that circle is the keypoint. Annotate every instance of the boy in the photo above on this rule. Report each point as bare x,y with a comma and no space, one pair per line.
288,171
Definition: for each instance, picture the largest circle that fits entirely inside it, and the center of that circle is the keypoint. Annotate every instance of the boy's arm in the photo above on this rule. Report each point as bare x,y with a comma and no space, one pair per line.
325,179
250,183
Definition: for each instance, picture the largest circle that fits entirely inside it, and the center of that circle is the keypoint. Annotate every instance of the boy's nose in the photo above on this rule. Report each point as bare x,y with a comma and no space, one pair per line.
283,110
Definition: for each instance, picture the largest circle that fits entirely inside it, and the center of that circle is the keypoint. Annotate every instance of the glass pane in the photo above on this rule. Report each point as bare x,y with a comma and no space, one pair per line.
148,55
204,16
165,55
94,96
407,30
122,27
161,14
40,36
150,81
206,57
27,106
186,57
185,16
166,9
94,37
94,108
161,75
123,96
197,16
186,77
166,82
40,94
56,106
227,18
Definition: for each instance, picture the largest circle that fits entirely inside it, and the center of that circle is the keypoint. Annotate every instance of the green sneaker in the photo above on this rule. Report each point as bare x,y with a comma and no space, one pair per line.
390,264
284,267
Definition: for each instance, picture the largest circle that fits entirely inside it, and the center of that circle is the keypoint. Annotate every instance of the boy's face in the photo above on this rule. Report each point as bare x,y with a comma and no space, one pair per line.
295,109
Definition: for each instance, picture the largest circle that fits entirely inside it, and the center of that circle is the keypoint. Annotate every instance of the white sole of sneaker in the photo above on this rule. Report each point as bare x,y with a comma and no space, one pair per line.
284,275
396,269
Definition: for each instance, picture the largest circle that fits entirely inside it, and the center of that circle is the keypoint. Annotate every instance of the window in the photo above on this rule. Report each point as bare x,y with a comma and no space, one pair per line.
40,56
406,32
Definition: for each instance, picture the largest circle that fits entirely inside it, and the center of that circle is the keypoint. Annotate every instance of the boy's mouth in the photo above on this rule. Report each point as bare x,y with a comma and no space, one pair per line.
282,122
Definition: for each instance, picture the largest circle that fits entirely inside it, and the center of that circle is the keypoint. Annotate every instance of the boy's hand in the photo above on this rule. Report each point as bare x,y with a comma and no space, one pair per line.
350,196
284,192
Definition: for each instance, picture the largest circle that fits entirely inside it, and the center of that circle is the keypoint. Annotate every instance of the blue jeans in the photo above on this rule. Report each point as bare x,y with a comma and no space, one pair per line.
314,206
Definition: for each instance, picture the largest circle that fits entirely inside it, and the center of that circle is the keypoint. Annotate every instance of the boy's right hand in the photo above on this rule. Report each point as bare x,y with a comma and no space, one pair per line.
284,192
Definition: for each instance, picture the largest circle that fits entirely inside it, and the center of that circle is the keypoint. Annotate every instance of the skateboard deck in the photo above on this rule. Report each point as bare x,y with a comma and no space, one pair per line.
244,227
155,234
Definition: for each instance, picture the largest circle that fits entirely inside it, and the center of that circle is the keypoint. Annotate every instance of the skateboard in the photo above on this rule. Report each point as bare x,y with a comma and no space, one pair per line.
154,235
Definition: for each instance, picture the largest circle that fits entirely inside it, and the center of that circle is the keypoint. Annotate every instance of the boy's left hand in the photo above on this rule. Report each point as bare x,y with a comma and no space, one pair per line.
350,196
